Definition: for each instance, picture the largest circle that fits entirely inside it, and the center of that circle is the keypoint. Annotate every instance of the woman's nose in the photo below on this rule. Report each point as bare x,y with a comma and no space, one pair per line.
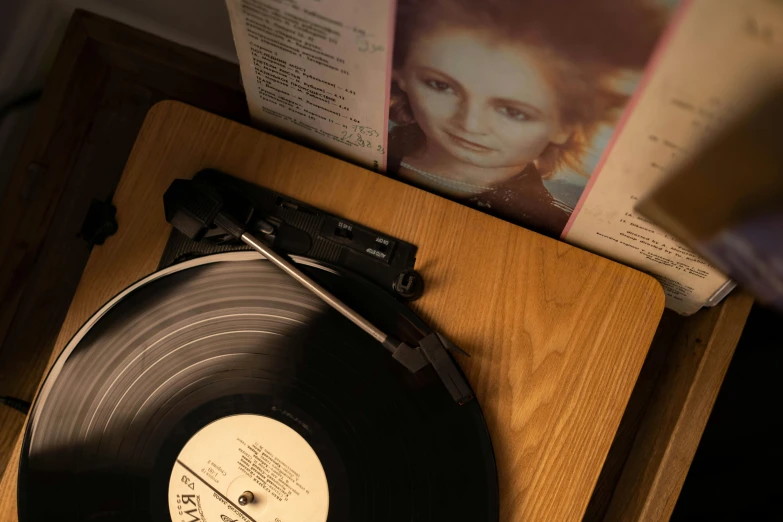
471,118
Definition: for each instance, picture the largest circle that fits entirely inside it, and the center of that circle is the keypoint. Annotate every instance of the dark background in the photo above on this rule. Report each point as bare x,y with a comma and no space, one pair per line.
737,473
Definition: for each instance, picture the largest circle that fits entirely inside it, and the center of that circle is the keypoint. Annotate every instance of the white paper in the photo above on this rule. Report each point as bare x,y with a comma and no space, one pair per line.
317,70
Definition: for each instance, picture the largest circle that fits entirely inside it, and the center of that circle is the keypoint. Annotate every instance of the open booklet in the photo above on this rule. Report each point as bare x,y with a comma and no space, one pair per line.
557,115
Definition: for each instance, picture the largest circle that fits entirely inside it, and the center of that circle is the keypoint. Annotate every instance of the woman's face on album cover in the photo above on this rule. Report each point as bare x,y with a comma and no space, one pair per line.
483,101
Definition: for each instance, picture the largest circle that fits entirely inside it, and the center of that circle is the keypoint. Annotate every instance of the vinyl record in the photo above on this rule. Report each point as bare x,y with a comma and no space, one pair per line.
220,390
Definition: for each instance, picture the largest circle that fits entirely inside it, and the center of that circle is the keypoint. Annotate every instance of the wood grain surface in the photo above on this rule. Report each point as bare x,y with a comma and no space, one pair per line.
687,352
677,413
557,335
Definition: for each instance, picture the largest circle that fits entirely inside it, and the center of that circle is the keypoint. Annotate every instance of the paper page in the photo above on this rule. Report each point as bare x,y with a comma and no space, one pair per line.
716,56
317,70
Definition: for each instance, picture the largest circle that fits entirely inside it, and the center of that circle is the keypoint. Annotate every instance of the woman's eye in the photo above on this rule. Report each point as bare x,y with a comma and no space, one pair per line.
513,113
437,85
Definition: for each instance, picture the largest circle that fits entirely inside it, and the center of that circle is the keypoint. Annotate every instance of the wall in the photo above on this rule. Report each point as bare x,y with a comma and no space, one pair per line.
31,31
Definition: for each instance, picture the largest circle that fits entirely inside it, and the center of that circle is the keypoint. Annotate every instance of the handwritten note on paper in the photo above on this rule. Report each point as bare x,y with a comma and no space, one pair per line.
317,71
717,60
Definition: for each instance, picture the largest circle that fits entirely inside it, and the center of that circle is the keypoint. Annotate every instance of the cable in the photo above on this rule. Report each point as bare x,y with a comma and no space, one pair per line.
19,102
17,404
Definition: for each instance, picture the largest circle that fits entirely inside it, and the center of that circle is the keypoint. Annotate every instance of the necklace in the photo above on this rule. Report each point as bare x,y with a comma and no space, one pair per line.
446,182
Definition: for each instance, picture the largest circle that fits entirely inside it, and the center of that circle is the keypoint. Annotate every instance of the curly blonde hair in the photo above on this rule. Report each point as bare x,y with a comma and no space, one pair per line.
584,43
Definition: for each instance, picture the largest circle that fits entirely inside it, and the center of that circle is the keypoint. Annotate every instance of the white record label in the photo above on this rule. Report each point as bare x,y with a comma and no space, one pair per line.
248,453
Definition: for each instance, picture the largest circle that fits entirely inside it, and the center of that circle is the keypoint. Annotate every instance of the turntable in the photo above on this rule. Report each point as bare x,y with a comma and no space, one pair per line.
168,377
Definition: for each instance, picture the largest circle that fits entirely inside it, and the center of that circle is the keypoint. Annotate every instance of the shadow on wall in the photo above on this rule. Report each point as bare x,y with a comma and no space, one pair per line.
30,34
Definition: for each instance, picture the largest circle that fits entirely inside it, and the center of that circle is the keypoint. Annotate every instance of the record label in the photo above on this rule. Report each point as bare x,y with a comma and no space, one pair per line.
248,468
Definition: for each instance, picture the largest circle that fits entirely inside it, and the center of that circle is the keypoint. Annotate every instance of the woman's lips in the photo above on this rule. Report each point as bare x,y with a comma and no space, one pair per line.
468,145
